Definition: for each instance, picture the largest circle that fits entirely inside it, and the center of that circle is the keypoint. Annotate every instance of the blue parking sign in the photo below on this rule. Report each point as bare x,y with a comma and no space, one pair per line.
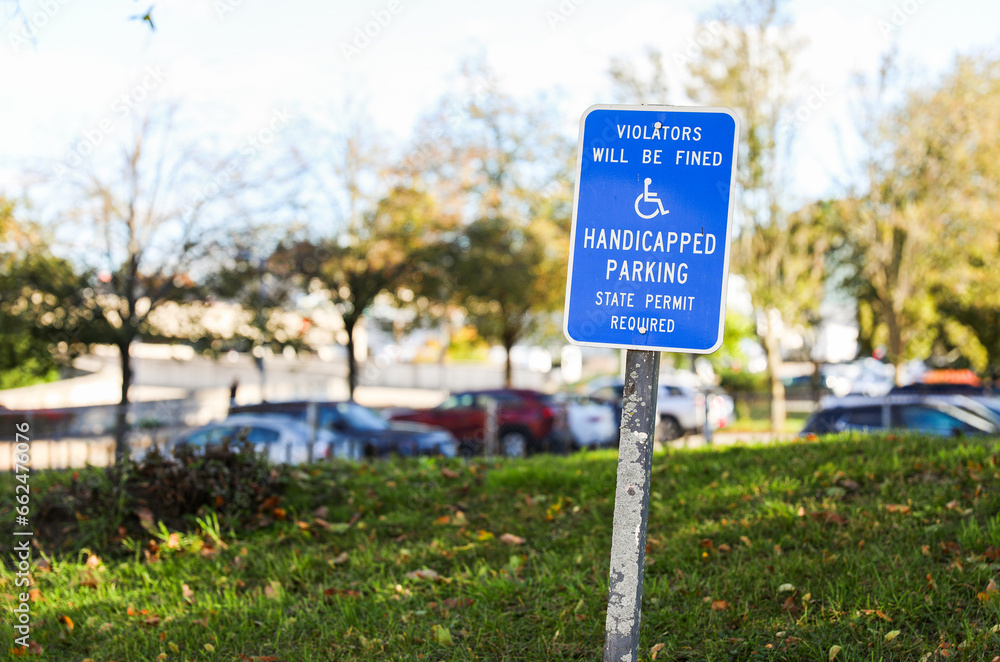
652,220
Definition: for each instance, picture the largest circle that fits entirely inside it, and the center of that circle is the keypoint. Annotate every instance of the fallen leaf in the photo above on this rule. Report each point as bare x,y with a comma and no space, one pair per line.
511,539
340,558
152,620
67,621
834,650
898,508
654,651
828,517
786,587
175,649
719,605
724,548
302,525
94,561
425,573
272,590
443,635
174,541
321,512
187,593
351,593
457,603
145,516
889,636
210,648
483,536
448,473
953,505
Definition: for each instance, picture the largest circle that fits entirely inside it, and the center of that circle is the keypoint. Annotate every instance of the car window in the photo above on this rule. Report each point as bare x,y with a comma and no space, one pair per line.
928,419
862,418
208,436
361,418
461,401
258,435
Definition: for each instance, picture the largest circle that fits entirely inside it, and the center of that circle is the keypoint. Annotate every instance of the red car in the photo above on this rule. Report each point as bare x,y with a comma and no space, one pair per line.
527,421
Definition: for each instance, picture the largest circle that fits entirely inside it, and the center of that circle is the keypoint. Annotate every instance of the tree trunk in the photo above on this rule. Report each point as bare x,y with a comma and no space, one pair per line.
508,369
352,363
774,365
121,417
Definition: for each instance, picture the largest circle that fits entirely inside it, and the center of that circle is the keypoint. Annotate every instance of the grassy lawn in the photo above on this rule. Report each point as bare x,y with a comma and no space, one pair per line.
849,548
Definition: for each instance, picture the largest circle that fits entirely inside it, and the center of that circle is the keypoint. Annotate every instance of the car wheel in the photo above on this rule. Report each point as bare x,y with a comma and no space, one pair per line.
513,443
668,429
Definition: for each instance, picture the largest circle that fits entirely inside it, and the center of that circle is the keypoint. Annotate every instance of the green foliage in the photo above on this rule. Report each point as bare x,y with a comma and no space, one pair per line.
225,483
33,323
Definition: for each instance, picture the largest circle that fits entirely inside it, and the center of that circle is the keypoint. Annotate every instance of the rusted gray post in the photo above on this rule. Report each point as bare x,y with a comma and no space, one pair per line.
628,537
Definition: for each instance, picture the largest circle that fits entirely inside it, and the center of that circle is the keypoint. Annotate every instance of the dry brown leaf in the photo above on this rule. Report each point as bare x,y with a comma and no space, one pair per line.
448,473
424,573
351,593
187,593
174,541
719,605
321,512
511,539
340,558
655,650
272,590
902,509
828,517
67,621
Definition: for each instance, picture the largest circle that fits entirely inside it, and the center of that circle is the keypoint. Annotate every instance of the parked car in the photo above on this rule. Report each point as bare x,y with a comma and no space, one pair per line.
929,414
591,424
527,421
282,439
680,409
376,436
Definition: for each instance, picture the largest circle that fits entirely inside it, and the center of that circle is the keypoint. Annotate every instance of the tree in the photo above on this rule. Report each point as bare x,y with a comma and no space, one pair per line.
148,217
33,342
394,246
922,256
506,277
502,167
747,63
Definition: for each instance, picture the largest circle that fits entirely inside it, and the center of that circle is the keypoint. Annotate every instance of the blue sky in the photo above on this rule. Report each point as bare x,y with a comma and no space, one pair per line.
232,65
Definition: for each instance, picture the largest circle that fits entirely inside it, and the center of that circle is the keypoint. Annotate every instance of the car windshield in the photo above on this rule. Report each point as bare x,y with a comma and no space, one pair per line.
361,418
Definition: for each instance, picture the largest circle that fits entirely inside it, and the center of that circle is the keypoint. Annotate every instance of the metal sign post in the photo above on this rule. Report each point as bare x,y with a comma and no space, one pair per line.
628,540
648,270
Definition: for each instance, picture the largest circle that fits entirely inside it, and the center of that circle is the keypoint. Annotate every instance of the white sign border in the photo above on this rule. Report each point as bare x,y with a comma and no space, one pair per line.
729,223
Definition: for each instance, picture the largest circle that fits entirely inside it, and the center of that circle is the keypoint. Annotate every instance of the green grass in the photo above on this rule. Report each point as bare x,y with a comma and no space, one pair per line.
885,547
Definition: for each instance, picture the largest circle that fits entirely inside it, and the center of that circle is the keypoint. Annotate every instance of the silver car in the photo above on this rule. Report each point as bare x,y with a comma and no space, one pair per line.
282,439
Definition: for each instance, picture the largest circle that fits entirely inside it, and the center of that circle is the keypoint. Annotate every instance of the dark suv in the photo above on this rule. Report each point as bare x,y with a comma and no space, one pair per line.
938,415
527,421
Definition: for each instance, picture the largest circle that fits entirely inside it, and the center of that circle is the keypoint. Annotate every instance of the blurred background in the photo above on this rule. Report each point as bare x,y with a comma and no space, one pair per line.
208,203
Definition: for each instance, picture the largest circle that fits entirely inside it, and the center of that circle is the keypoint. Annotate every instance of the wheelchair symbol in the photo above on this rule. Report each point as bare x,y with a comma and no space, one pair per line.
646,196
